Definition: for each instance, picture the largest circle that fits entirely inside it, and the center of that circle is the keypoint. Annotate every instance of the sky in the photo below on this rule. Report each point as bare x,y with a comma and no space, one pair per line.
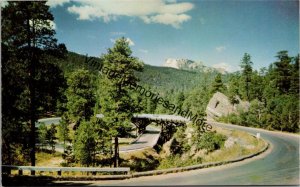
216,32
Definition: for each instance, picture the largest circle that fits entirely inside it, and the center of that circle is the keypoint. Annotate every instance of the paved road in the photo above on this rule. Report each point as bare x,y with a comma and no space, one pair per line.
148,139
48,121
278,166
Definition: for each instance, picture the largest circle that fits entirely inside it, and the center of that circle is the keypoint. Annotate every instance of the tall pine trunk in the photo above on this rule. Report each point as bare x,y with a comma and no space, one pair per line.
116,157
30,60
32,116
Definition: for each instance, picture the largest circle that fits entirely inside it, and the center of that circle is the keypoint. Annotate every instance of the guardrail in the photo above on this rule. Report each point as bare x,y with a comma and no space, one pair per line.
59,170
126,170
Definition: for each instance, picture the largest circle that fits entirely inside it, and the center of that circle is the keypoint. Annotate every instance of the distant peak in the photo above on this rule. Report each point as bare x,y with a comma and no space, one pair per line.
191,65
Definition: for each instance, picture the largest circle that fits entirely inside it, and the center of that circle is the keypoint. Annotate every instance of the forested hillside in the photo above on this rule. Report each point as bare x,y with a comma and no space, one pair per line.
174,85
273,93
40,78
162,78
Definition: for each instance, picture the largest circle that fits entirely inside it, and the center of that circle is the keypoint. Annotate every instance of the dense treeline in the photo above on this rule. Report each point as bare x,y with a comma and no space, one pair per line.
32,82
180,87
273,94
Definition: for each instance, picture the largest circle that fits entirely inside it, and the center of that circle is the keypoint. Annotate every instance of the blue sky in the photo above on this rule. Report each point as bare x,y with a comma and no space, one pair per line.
215,32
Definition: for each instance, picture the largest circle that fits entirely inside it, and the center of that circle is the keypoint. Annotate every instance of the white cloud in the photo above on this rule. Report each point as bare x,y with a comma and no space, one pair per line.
55,3
117,33
225,66
150,11
130,42
143,51
220,48
167,19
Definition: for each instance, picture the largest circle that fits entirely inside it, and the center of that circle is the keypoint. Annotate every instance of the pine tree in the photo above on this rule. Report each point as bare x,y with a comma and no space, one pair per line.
295,76
151,106
28,40
283,71
180,99
117,104
218,85
258,85
63,130
80,96
51,137
233,89
246,65
85,143
42,135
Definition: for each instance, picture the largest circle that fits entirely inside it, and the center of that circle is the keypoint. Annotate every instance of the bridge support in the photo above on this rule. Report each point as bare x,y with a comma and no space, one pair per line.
168,128
141,125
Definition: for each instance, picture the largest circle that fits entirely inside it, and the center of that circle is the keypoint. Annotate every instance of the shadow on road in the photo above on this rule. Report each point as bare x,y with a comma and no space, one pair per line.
140,142
152,132
36,181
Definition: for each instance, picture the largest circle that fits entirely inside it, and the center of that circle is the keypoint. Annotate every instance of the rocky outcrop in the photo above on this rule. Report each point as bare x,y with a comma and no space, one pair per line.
182,64
186,64
219,105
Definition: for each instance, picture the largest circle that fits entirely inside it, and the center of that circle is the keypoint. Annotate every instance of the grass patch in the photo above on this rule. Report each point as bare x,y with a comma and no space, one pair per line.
225,154
48,159
143,160
174,161
247,145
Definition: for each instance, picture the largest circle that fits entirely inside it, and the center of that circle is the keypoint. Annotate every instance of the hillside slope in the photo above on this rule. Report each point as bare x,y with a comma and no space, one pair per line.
158,78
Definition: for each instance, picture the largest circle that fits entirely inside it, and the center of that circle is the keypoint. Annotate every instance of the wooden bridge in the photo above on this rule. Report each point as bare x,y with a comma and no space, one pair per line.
141,121
168,123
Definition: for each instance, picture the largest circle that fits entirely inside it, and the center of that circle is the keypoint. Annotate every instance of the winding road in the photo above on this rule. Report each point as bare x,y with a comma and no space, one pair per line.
148,139
277,166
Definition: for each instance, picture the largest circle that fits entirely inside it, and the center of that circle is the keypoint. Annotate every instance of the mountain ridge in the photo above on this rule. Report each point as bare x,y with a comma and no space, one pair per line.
191,65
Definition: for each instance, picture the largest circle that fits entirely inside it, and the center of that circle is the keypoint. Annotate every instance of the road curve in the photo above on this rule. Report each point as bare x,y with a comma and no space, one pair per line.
278,166
148,139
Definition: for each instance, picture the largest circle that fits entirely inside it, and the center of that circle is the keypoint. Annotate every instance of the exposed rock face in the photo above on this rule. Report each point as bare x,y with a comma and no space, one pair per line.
219,105
182,64
187,64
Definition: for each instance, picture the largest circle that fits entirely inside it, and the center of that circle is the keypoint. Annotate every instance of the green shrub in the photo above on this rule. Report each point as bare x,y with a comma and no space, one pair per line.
210,141
143,162
179,145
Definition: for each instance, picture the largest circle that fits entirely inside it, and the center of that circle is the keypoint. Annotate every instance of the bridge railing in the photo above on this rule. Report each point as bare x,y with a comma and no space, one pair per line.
8,168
